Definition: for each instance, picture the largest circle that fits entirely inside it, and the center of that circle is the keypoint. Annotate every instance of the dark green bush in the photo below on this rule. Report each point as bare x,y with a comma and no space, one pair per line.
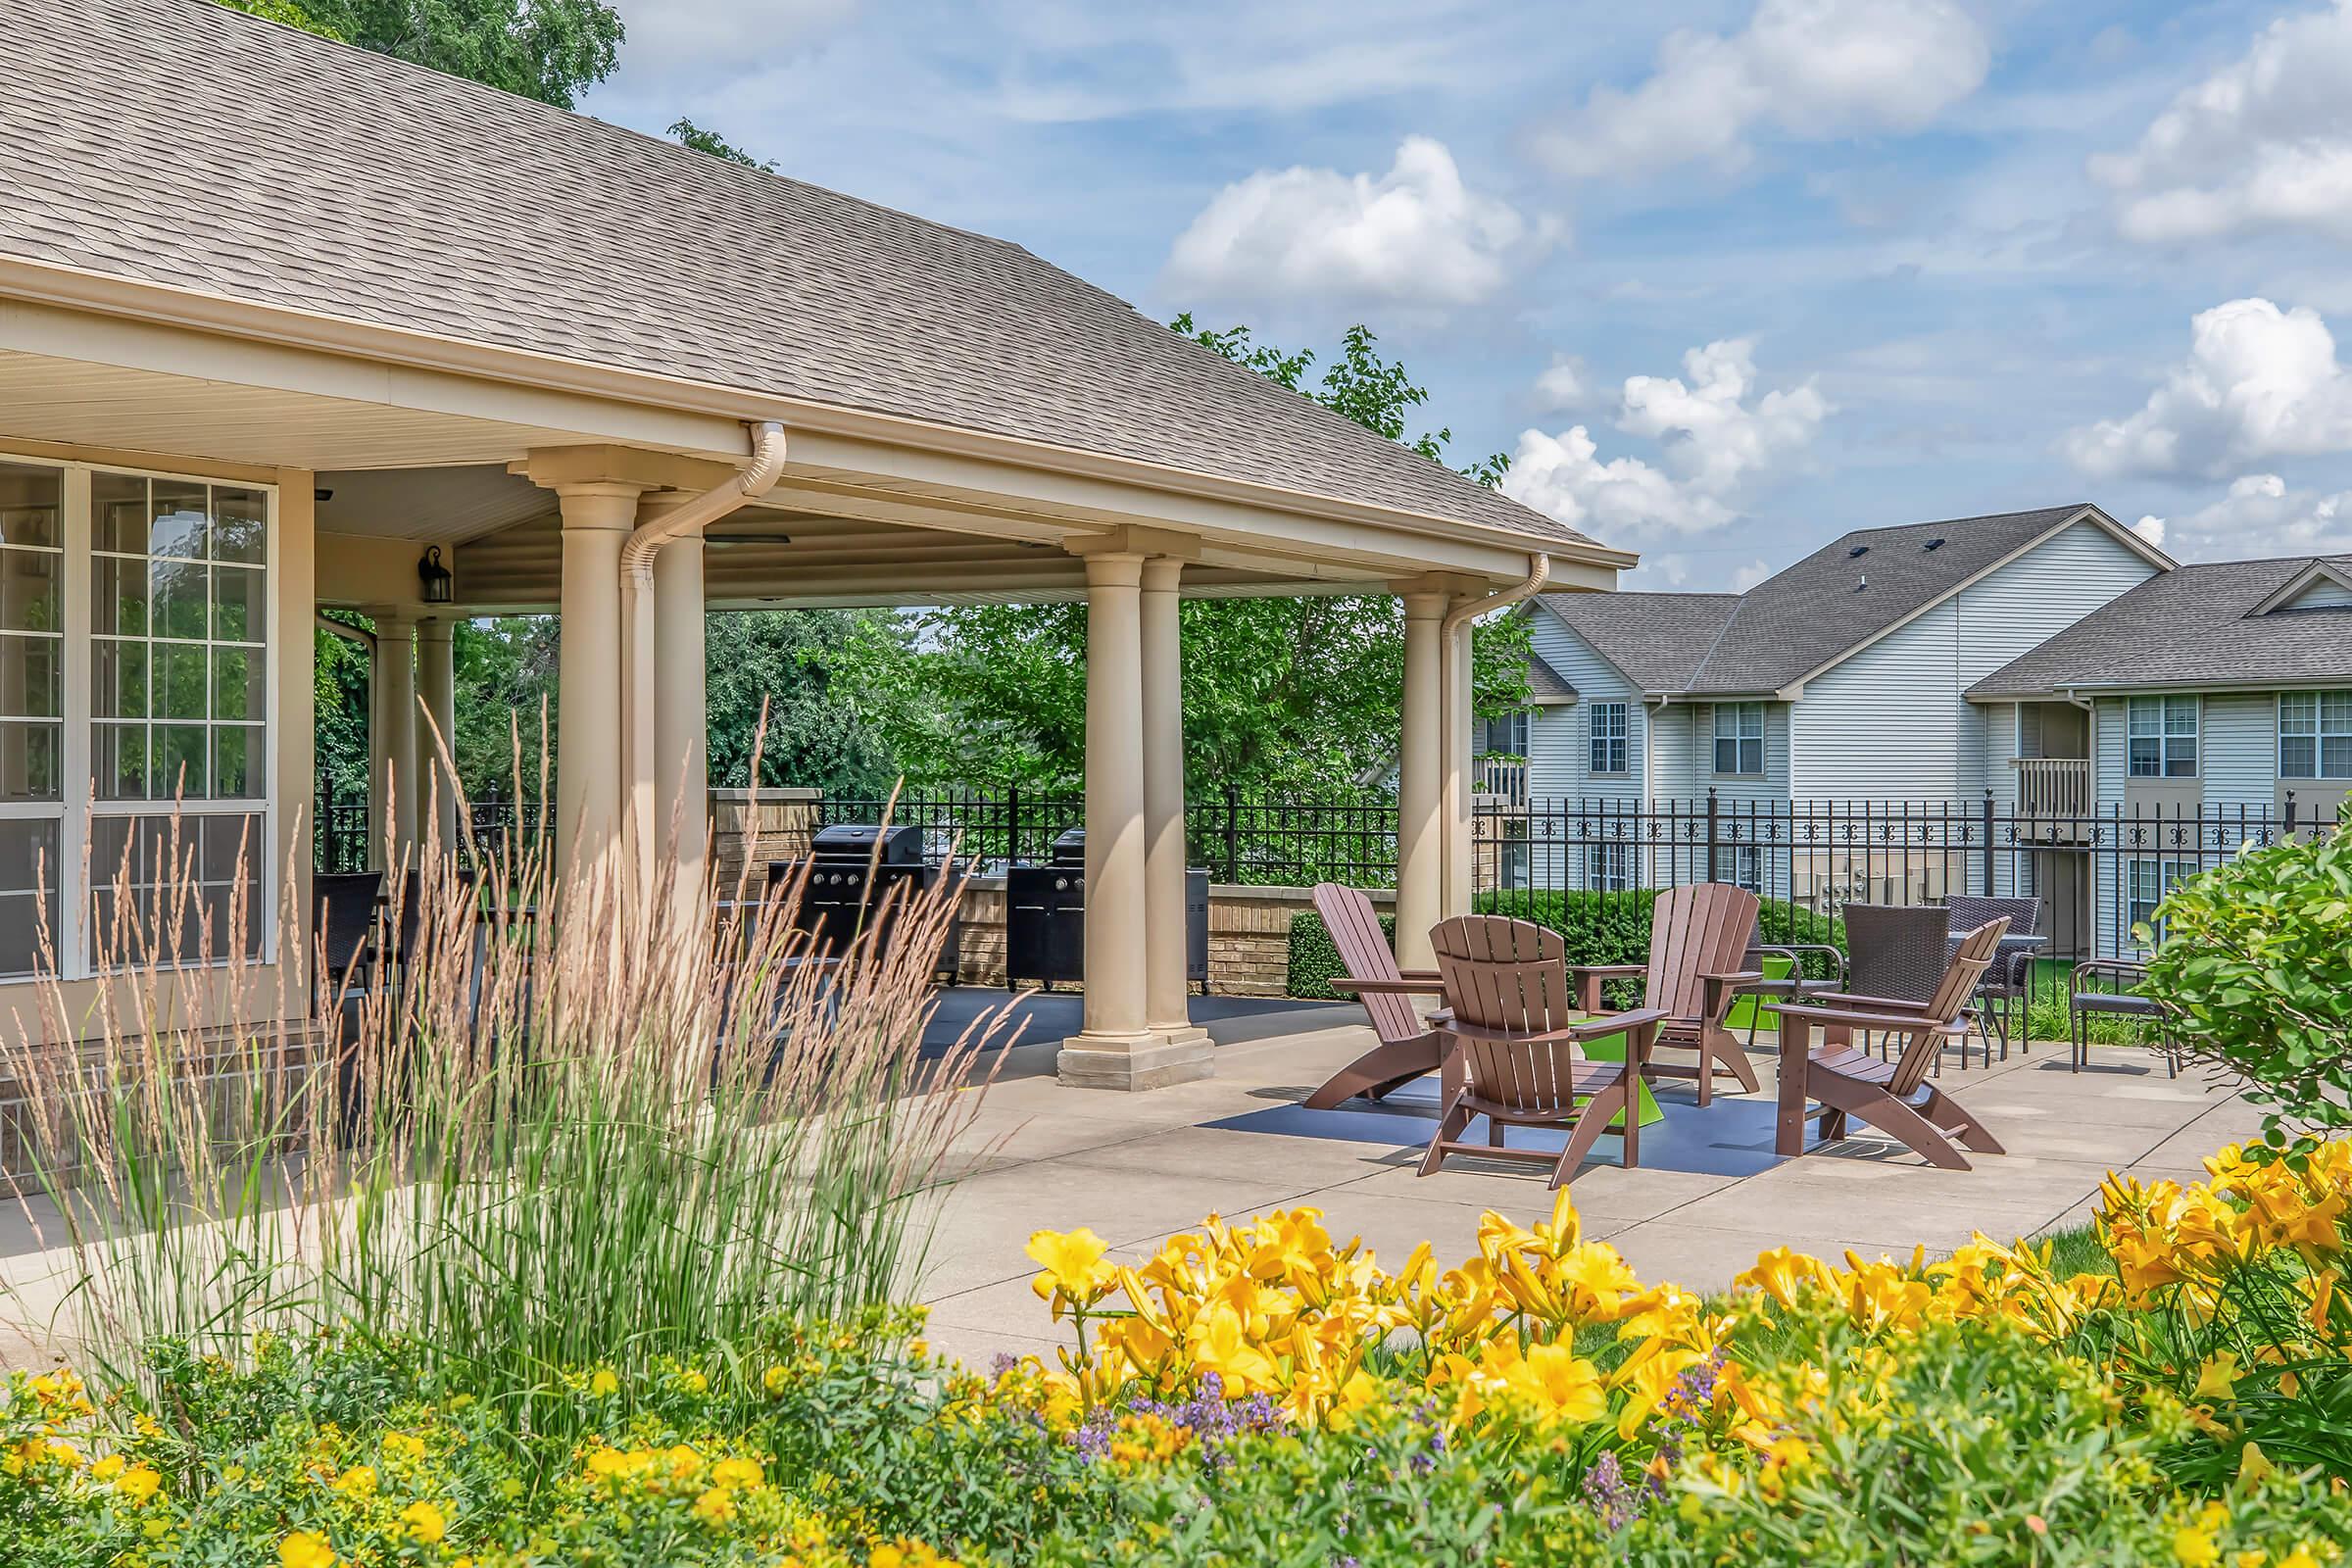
1599,928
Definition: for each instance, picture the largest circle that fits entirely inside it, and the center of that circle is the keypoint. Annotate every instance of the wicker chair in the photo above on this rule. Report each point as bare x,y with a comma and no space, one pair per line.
1900,951
1792,986
2007,990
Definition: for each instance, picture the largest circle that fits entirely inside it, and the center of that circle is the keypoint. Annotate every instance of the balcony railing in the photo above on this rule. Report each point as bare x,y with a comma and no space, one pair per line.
2053,785
1504,777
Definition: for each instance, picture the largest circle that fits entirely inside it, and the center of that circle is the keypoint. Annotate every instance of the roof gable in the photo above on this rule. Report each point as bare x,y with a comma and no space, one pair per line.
2322,585
1866,584
323,180
1654,640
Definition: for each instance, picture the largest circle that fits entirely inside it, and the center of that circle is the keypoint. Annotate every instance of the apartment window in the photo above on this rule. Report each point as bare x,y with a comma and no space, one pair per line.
2315,735
165,582
1739,737
1605,734
1608,867
1747,868
2164,737
2151,880
1506,736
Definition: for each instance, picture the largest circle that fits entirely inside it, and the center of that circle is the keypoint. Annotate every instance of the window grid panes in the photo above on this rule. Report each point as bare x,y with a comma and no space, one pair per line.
2163,737
1739,737
179,607
1605,734
2315,735
1747,868
2151,880
1608,867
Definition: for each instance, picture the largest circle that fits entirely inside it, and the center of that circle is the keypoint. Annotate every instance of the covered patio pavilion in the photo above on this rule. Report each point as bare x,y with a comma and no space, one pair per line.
359,310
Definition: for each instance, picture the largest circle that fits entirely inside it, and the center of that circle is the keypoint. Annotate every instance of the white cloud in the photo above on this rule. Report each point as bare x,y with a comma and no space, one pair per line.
1813,69
1745,577
1414,235
672,38
2258,516
1566,383
2259,382
2264,142
1713,439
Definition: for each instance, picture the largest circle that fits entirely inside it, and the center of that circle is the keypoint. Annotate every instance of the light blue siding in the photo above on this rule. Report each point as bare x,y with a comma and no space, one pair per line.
2238,749
1885,723
1559,772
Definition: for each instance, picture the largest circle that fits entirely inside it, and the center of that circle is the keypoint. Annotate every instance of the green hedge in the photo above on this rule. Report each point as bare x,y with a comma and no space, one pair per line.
1598,927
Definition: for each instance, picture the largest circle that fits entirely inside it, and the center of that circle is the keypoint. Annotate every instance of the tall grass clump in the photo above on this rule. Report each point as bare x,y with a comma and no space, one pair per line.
578,1122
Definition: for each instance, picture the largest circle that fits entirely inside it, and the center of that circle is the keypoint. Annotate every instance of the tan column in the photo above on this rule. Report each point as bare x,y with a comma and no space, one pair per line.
589,763
437,741
1117,1049
1459,786
680,738
1169,1010
393,674
1420,762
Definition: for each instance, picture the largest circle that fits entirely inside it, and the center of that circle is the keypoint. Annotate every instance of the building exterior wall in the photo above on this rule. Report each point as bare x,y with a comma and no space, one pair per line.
288,767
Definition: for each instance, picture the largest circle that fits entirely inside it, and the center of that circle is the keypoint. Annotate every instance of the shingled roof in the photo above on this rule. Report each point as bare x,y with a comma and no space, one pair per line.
1656,639
2191,627
1806,616
179,143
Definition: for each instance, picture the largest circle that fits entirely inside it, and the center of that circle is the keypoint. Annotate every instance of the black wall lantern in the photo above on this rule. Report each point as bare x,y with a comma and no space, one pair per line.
434,576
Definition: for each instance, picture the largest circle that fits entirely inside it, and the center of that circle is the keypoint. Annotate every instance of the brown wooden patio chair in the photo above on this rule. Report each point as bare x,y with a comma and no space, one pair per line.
1894,1096
1699,936
1516,1034
1408,1046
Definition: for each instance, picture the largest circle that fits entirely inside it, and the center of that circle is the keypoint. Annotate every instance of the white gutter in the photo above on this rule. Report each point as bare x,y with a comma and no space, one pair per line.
637,554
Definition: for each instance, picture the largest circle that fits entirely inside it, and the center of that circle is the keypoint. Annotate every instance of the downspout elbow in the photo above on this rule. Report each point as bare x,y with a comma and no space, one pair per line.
766,466
1538,573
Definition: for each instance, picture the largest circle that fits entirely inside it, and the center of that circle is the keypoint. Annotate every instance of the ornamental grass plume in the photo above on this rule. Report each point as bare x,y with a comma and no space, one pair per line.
590,1118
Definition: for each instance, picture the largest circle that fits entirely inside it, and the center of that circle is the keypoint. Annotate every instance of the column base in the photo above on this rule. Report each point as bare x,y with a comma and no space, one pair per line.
1132,1061
1182,1033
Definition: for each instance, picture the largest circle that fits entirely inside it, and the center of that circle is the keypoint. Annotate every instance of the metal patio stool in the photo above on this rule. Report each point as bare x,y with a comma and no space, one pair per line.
2007,989
1794,986
2122,998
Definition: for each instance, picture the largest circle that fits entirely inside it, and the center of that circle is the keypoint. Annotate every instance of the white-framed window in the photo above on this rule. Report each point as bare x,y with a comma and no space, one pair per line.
1740,739
1604,738
2163,737
2315,735
135,670
1608,867
2150,881
1747,868
1506,736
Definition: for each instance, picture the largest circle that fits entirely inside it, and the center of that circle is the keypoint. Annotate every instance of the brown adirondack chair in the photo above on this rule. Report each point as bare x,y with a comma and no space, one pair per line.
1894,1096
1699,936
1408,1046
1515,1035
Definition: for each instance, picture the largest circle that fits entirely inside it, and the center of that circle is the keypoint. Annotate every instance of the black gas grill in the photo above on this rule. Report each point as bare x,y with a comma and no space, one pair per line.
1045,919
851,868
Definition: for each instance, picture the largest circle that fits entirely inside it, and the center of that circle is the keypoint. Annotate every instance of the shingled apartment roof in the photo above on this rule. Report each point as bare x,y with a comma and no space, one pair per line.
2191,627
179,143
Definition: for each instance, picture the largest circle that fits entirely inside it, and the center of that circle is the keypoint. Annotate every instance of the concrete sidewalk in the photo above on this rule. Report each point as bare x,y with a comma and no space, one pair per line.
1708,1197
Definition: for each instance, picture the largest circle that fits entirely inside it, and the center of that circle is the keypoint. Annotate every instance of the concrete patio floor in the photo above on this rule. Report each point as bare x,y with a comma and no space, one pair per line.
1708,1195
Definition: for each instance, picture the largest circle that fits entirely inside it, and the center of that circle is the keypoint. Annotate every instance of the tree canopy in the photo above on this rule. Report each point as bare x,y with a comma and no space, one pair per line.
550,50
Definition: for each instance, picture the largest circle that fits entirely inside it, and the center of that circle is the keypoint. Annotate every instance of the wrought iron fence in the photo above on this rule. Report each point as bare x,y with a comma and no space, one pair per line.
2099,873
1266,841
341,842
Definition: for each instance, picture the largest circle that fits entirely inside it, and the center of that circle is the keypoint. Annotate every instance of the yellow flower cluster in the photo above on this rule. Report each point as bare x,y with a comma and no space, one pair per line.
1275,1309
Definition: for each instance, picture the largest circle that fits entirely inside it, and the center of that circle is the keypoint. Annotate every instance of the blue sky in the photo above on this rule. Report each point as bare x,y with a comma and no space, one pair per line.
1726,280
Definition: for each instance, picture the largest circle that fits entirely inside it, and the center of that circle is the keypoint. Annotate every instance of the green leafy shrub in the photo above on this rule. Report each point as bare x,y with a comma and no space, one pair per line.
1598,928
2256,964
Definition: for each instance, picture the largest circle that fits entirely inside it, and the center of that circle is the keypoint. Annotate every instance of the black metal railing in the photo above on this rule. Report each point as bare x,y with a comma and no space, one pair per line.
2099,873
1266,841
341,841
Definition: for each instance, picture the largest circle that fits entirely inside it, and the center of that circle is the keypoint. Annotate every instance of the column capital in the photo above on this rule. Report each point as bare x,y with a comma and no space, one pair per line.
1119,569
1131,540
387,616
1162,574
654,505
1424,606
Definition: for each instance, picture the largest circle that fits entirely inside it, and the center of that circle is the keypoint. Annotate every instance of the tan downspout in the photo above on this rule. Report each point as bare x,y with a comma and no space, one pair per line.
637,554
1456,863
